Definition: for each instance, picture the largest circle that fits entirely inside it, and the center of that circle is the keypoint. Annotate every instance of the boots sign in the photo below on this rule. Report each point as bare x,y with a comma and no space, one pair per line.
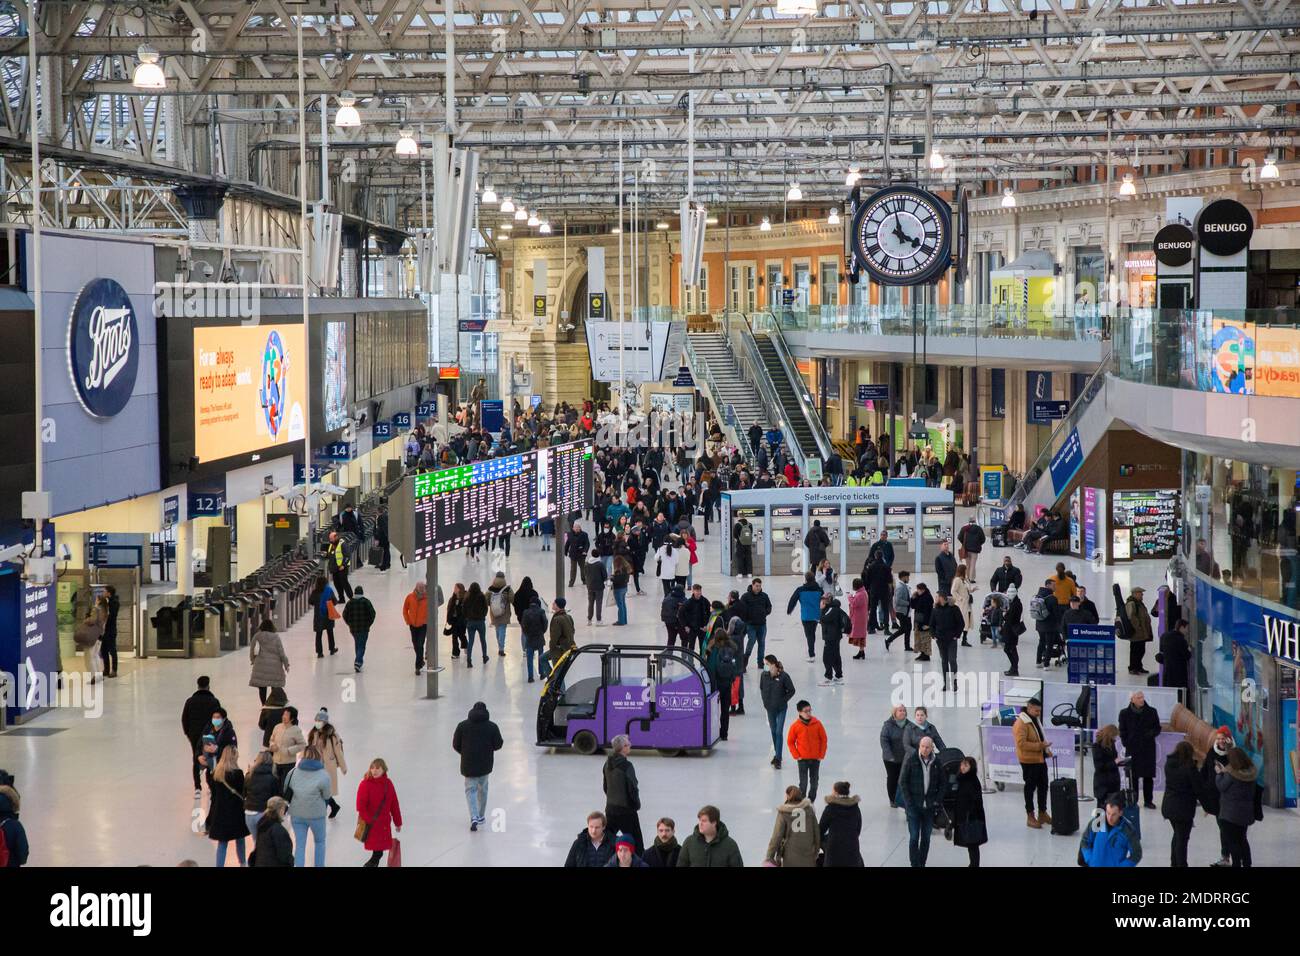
103,348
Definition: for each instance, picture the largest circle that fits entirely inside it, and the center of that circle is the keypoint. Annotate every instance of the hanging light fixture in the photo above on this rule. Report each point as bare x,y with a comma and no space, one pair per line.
661,224
1008,198
1269,169
794,193
616,230
489,195
937,161
1127,187
521,214
833,218
406,144
148,74
545,227
347,116
711,221
533,221
508,205
852,178
765,225
507,226
797,8
927,64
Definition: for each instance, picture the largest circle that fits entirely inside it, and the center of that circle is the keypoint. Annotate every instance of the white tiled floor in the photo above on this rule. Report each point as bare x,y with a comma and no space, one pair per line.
117,791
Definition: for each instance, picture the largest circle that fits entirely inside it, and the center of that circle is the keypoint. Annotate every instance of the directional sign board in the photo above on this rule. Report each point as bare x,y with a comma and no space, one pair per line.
1050,409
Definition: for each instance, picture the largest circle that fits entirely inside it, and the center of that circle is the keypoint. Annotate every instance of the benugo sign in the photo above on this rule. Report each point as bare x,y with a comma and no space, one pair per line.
249,389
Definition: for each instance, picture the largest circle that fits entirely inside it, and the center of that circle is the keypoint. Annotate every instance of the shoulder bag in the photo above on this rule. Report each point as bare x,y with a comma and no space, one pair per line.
362,832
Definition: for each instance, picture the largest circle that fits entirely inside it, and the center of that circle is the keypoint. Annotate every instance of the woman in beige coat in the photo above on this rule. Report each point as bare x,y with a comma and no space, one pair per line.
325,738
796,841
962,598
287,742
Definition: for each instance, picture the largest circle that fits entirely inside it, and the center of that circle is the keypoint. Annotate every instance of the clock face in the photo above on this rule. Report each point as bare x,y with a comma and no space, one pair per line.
903,235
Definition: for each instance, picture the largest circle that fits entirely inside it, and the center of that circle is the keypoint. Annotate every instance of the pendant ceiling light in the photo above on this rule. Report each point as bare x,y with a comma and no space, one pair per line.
148,74
508,205
852,178
833,218
794,193
406,144
347,116
1269,169
489,196
1127,187
1008,198
765,225
797,8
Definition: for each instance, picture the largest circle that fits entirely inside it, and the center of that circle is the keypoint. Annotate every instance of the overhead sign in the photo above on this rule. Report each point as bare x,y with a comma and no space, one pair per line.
249,387
472,325
204,504
787,297
1051,409
596,306
382,430
684,378
1038,387
338,451
425,409
1224,227
1174,244
318,472
103,348
539,306
401,419
873,393
171,510
449,371
1067,461
635,350
492,414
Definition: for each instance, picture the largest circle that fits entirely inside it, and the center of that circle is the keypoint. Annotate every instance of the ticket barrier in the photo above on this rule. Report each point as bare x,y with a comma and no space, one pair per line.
212,636
168,625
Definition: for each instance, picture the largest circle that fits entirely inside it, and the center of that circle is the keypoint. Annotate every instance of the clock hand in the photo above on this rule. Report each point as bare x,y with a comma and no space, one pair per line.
898,231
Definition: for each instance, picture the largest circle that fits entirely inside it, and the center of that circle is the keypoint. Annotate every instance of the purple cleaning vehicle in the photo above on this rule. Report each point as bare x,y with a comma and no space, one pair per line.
661,697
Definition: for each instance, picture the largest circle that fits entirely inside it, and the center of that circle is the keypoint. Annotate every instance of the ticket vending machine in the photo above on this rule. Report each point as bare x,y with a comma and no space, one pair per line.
863,523
900,522
754,515
936,526
788,532
829,516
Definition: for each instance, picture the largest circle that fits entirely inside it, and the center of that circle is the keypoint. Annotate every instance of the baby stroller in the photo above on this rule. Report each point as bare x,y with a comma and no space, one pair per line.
995,606
950,759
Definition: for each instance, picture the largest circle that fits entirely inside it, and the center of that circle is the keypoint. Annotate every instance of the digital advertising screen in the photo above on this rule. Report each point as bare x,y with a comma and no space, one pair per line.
249,388
334,385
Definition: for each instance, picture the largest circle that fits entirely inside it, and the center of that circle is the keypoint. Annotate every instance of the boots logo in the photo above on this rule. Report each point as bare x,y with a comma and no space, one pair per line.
103,348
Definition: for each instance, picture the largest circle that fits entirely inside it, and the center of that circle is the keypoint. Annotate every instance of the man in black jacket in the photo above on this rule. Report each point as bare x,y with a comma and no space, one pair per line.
755,606
622,791
476,739
1087,606
876,578
593,848
971,538
947,622
695,616
575,549
381,539
359,616
882,547
835,624
945,568
196,719
817,541
921,783
1005,577
1139,726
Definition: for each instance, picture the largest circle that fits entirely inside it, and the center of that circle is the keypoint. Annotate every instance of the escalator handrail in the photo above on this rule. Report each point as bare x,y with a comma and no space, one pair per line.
815,426
754,369
728,431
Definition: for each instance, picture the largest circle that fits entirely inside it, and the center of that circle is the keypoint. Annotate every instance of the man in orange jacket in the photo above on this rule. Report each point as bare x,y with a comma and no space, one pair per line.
415,612
807,743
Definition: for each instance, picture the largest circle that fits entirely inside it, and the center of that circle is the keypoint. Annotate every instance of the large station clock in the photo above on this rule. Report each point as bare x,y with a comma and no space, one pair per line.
903,235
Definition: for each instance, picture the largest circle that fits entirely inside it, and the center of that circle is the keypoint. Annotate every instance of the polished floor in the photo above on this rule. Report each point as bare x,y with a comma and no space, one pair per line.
116,790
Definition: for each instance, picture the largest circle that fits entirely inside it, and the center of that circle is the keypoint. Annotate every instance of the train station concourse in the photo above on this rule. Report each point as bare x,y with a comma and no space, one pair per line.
653,435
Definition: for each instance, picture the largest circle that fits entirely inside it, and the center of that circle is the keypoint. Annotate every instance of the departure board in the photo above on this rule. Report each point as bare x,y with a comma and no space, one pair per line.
468,504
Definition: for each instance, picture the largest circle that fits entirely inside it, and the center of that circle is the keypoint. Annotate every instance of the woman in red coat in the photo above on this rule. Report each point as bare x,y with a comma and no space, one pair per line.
377,805
858,619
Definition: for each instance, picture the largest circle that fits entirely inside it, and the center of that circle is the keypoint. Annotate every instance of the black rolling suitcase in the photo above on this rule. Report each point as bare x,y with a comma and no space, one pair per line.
376,556
1063,798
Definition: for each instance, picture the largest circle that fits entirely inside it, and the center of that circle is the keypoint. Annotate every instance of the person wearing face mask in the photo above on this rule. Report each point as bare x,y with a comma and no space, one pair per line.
921,727
1217,756
325,738
215,741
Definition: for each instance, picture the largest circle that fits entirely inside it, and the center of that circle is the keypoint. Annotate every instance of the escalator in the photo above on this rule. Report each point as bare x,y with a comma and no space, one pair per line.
797,421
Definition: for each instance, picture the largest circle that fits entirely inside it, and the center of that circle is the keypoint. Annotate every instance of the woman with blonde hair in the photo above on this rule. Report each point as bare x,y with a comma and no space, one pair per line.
226,823
1105,771
273,845
961,597
310,786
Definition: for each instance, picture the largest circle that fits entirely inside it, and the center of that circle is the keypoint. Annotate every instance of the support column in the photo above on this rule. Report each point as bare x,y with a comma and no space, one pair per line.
250,530
184,563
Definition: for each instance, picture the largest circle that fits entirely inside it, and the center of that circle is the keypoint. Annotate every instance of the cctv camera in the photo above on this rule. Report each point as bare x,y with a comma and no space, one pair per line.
65,553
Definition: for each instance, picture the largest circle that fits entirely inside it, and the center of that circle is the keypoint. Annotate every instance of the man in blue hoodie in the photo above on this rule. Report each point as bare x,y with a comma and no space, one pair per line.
1109,839
809,598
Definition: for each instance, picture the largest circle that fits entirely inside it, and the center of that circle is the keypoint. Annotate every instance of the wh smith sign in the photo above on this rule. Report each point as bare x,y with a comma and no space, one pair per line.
103,348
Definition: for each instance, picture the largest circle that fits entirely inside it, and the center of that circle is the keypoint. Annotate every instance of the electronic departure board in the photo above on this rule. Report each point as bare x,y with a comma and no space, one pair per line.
469,504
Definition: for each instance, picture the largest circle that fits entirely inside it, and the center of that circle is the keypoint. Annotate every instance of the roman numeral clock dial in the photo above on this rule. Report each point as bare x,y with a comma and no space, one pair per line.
903,235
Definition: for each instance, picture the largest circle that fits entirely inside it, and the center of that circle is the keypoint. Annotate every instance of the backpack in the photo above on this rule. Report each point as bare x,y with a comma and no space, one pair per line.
1038,608
728,666
668,610
497,602
746,534
534,624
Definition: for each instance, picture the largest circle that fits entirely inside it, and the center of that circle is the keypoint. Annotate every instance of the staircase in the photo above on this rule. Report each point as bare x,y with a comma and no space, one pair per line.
728,385
795,424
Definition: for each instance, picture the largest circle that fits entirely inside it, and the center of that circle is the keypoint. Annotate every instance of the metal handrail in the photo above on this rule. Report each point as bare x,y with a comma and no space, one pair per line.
729,431
1041,465
815,425
744,348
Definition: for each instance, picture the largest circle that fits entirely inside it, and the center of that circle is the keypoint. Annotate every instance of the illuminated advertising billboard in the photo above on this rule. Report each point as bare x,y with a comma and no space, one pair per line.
249,389
335,382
